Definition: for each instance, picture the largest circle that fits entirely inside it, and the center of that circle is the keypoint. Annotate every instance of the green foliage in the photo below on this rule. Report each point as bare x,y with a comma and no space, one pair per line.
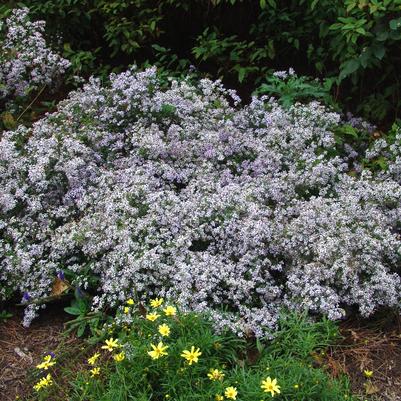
4,316
85,318
354,43
123,369
290,89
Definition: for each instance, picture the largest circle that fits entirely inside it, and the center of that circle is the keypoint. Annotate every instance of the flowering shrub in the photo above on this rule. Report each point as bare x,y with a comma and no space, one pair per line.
181,192
178,356
26,62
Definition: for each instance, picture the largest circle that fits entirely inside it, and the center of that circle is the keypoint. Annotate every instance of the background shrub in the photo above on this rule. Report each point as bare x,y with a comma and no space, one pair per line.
355,42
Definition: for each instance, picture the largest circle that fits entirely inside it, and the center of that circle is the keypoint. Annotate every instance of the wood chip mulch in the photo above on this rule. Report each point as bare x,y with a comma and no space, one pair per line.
375,346
21,349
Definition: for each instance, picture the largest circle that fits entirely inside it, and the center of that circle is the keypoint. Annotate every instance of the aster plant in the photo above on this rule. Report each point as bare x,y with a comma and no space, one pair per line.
183,193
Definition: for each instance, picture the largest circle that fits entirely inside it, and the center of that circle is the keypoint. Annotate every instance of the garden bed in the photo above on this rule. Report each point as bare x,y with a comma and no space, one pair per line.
366,345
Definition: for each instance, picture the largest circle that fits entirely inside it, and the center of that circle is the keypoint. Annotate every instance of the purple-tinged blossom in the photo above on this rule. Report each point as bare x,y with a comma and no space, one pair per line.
213,205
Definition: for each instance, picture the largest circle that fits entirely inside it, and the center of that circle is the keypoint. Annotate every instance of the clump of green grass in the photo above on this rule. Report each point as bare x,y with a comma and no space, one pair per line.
159,353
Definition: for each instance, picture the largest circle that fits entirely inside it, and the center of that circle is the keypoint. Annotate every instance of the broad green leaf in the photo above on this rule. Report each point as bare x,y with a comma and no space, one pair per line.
72,311
382,36
349,67
379,51
395,24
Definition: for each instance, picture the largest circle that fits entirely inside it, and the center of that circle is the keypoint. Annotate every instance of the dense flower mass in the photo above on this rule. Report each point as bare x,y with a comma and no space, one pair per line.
26,62
181,193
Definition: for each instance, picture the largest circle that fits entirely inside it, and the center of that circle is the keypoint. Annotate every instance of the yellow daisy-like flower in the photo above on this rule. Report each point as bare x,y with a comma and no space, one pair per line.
126,309
158,350
152,316
219,397
47,363
231,392
155,303
270,386
111,344
368,373
95,372
191,356
164,330
130,302
170,310
92,360
215,374
43,382
119,357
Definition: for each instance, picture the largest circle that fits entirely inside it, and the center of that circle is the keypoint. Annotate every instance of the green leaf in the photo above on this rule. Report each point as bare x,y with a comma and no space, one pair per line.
395,24
382,163
272,4
262,4
241,74
379,51
72,311
313,5
349,67
159,48
168,109
382,36
81,330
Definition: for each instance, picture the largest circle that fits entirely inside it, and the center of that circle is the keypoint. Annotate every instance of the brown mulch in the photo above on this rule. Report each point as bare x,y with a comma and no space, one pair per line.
21,349
373,345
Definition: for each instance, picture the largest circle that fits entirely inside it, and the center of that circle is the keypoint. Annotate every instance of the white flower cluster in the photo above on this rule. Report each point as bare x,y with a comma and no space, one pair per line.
182,193
26,63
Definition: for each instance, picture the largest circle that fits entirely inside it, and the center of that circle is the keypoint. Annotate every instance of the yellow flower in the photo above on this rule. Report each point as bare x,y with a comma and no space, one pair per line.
111,344
158,350
47,363
152,316
215,374
130,302
219,397
155,303
170,310
94,372
296,386
164,330
270,386
191,356
92,360
43,382
368,373
126,309
231,392
119,357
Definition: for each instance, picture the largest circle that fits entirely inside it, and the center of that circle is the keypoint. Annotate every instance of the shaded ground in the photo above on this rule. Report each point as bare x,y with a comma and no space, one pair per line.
22,349
366,345
373,346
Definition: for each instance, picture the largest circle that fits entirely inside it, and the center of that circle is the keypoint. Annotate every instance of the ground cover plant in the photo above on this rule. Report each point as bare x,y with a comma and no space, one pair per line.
161,353
132,188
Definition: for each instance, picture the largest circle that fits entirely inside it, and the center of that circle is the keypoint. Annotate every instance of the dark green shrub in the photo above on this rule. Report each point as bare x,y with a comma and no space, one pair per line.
354,42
